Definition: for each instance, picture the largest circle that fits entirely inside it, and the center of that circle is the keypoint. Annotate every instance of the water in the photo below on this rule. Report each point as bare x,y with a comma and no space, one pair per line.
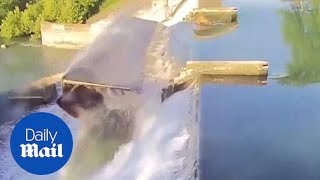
269,132
155,151
245,132
260,132
161,146
125,52
19,64
164,123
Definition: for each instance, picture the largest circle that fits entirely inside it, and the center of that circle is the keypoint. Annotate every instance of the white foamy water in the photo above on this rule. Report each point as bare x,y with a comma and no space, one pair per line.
165,141
9,169
164,145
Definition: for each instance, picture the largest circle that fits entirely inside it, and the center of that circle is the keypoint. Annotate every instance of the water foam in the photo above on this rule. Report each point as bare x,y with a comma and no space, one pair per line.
160,148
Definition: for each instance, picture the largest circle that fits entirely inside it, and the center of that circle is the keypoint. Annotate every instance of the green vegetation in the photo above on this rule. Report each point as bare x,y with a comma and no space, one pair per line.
301,30
8,5
25,20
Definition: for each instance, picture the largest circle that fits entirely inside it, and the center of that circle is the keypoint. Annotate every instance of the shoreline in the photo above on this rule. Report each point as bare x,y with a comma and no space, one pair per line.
106,11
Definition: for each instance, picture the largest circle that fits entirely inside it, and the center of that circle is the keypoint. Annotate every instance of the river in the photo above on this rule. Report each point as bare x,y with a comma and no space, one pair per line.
21,63
269,132
245,132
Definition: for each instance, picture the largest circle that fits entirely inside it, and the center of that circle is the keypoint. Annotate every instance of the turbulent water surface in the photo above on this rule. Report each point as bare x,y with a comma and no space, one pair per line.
163,143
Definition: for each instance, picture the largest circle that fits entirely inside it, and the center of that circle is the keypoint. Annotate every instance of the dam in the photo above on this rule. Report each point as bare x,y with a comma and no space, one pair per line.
257,126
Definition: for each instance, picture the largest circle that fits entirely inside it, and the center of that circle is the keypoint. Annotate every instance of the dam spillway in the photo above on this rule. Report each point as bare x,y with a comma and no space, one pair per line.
179,98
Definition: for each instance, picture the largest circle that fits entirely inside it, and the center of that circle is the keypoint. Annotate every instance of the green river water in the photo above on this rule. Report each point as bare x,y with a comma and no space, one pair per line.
22,64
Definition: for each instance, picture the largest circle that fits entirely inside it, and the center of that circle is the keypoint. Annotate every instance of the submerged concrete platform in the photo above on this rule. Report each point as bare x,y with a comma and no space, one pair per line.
225,72
245,68
213,15
202,32
42,91
233,80
38,95
47,81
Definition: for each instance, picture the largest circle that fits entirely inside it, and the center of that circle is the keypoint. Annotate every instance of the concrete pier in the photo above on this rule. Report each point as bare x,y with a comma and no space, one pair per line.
41,95
213,15
42,91
245,68
46,81
233,80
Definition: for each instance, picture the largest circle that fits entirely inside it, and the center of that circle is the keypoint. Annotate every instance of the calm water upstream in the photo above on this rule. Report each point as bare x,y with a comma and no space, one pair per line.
20,64
246,132
269,132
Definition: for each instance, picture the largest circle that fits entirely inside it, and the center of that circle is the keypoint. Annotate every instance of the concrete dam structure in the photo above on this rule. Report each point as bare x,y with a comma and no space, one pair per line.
76,36
126,88
80,73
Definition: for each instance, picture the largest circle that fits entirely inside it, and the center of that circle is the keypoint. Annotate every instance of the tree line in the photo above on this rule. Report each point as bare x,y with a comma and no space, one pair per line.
23,17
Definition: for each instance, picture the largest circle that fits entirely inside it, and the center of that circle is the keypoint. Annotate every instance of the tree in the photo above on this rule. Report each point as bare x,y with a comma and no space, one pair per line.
8,5
30,18
51,10
28,21
12,26
71,12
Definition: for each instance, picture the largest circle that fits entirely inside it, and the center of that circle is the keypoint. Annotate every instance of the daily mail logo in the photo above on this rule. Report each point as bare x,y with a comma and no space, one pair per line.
41,143
32,150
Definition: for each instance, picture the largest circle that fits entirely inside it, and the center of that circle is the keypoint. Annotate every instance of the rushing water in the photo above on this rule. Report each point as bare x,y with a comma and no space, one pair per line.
161,137
246,131
20,64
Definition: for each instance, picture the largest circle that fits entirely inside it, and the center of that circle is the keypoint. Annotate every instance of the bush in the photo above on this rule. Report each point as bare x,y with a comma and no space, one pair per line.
28,21
30,18
12,26
71,12
9,5
51,10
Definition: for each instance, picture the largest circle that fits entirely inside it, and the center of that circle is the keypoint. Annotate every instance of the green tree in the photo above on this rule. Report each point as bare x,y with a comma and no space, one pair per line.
9,5
51,10
30,18
71,12
28,21
12,26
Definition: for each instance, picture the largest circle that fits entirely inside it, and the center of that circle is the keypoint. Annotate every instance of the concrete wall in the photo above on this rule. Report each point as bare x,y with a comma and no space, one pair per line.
70,35
210,3
81,35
